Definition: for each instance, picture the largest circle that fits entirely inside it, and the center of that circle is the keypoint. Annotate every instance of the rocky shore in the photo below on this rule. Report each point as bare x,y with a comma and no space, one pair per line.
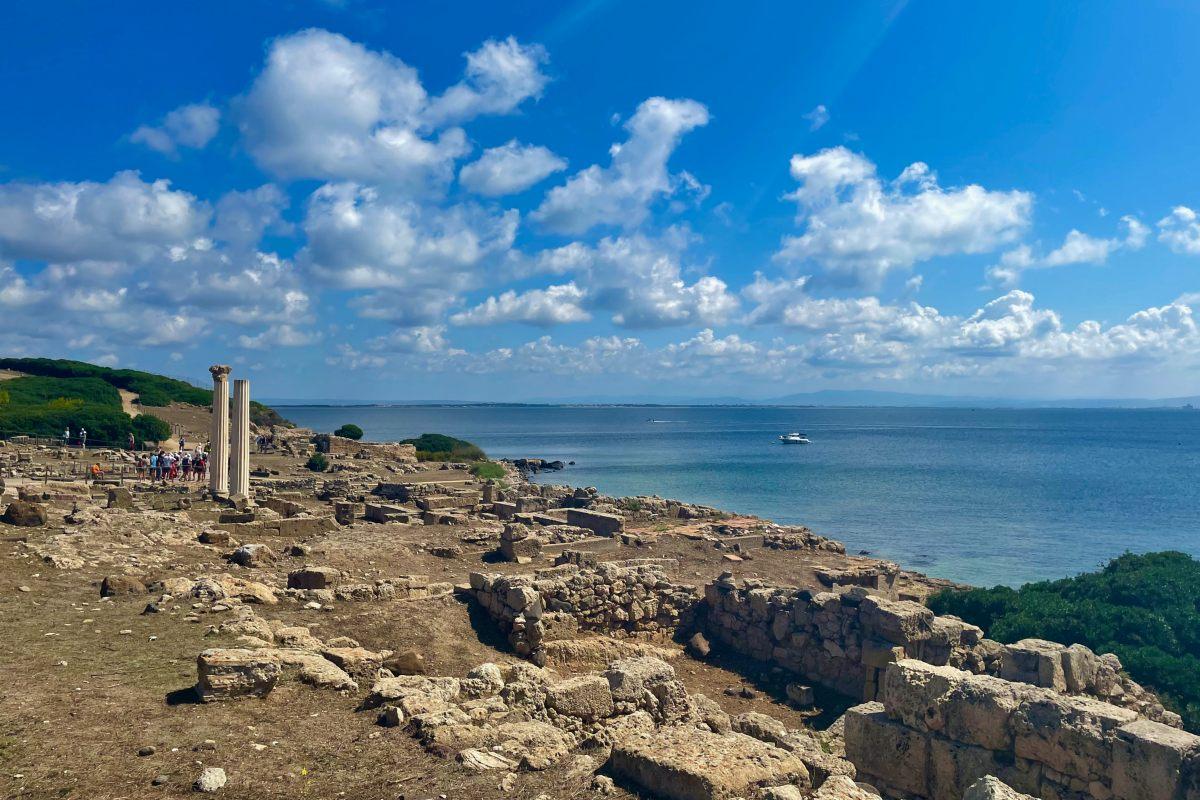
395,628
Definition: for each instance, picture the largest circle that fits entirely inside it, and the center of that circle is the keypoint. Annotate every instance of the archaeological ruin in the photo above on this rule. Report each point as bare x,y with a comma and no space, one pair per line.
447,634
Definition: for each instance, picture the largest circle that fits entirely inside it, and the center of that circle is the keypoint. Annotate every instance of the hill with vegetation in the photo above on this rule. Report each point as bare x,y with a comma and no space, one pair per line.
55,394
1144,608
439,447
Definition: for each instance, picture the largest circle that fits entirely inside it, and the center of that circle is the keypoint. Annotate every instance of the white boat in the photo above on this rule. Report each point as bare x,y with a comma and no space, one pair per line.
794,438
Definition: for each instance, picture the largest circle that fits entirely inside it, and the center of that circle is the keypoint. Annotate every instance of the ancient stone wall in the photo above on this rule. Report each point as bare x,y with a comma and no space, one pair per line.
341,446
936,730
620,596
844,641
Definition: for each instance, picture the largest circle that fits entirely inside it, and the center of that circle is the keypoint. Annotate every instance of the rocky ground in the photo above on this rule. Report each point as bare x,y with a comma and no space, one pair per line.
110,593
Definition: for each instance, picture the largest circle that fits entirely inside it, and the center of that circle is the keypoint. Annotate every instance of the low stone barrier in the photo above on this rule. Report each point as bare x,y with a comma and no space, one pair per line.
936,730
619,596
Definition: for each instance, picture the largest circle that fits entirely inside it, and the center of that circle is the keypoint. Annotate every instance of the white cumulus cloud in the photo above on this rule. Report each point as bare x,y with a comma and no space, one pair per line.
509,169
554,305
192,125
123,218
858,229
1180,231
621,193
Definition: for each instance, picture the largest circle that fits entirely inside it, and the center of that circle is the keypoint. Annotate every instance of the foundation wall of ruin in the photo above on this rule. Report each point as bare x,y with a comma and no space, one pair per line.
611,597
936,730
844,641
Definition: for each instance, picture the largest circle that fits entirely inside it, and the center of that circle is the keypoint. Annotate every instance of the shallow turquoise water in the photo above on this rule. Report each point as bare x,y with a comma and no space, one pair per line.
982,496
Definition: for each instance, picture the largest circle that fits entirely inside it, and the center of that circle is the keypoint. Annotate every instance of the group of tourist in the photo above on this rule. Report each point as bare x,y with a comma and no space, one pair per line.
67,439
164,466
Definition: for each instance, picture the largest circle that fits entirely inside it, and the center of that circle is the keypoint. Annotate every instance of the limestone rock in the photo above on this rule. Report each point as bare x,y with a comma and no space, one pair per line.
357,662
211,779
314,578
233,672
115,585
839,787
586,697
628,677
24,514
406,662
313,669
533,745
686,763
698,646
483,760
120,497
253,555
992,788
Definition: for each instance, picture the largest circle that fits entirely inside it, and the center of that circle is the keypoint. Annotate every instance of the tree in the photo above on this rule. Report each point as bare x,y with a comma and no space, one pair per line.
317,463
149,428
349,431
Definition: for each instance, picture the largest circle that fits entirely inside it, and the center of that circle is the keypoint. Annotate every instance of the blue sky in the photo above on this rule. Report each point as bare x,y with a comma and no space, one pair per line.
361,200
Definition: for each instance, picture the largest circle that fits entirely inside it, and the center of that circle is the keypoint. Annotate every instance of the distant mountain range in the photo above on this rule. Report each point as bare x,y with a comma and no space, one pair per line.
826,397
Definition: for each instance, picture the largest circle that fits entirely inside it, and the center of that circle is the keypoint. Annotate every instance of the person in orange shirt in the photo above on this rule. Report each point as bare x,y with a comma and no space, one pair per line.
96,471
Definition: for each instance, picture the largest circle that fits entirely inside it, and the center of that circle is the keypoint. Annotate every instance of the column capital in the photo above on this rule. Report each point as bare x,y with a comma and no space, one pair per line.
220,372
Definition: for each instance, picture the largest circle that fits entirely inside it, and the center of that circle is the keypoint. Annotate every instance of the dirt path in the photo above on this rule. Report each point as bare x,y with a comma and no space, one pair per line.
128,400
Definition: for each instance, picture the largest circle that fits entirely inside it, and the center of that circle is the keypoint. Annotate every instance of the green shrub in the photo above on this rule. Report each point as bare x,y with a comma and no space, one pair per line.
1141,607
488,470
439,447
317,462
36,390
149,428
349,431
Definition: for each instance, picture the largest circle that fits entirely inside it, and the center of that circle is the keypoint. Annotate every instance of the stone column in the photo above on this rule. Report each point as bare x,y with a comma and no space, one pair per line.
218,448
239,461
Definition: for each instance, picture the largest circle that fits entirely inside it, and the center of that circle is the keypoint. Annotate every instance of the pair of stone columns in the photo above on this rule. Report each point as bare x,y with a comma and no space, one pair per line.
229,456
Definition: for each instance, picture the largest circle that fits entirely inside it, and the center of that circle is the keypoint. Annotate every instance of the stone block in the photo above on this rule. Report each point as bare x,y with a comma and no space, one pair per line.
687,763
1035,661
897,621
600,523
954,767
914,692
979,711
24,514
1070,735
233,672
586,697
628,677
878,654
314,578
116,585
883,748
1149,760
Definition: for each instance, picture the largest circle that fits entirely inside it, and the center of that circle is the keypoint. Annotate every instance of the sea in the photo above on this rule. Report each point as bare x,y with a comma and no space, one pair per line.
981,496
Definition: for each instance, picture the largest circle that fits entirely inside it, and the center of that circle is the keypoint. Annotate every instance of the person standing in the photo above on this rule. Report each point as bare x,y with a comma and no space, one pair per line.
182,443
153,466
131,444
67,437
83,438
